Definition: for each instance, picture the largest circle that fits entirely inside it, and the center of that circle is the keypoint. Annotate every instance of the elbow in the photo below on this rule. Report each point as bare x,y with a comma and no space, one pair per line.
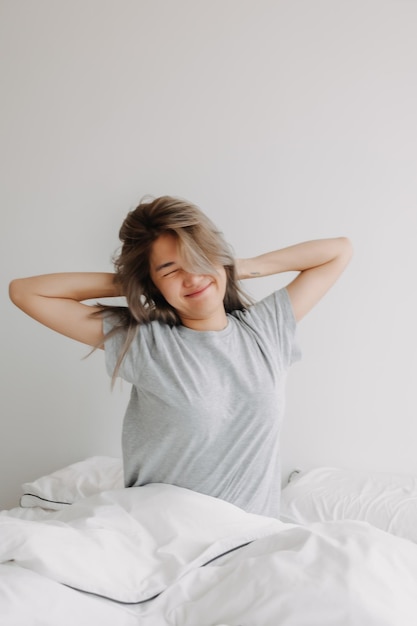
16,291
13,290
346,248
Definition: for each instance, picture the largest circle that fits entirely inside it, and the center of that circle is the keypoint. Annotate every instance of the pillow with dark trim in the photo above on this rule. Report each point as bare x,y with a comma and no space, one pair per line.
62,488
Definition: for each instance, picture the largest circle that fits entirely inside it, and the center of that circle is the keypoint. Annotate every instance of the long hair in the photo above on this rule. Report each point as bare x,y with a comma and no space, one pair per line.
202,248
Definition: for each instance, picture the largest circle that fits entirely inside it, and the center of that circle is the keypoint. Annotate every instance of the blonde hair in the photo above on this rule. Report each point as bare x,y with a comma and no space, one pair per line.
201,245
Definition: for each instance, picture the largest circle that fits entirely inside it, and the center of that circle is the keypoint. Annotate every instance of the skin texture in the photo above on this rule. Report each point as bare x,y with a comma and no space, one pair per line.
319,262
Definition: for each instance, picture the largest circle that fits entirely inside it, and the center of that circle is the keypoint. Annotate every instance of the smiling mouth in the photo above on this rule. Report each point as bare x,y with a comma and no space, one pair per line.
198,292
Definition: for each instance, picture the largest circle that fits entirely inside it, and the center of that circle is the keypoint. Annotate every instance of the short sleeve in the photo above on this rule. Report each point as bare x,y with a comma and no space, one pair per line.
113,347
275,316
287,326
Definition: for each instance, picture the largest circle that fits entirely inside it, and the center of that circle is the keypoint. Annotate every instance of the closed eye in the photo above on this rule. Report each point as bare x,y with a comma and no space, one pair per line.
170,273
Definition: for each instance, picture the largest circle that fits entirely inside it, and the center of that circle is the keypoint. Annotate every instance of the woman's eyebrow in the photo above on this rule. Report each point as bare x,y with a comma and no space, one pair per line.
164,265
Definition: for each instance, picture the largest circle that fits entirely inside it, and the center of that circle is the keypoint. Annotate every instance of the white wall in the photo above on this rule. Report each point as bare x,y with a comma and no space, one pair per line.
285,121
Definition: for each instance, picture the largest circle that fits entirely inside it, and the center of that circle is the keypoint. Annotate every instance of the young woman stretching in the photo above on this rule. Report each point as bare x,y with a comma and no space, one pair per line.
207,366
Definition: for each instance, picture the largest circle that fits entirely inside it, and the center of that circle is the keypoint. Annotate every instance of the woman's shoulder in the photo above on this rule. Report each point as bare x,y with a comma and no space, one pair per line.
278,300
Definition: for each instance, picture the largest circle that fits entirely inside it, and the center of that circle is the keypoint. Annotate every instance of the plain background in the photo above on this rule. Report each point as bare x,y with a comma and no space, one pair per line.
284,121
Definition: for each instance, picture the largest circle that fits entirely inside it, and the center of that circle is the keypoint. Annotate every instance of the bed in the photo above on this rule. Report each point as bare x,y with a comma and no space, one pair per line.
81,549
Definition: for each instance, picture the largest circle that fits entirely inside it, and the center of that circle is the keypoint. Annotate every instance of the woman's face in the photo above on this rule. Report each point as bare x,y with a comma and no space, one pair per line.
197,298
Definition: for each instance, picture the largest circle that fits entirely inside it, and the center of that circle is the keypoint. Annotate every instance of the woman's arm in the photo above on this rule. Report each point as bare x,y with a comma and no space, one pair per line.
55,300
319,262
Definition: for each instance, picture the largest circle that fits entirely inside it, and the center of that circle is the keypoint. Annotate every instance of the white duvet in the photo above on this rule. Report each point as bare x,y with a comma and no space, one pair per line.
160,554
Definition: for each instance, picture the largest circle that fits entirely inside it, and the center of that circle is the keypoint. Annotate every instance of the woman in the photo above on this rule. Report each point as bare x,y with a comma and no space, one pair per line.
207,367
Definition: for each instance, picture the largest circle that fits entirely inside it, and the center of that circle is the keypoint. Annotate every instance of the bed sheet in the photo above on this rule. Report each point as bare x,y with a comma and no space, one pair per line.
161,555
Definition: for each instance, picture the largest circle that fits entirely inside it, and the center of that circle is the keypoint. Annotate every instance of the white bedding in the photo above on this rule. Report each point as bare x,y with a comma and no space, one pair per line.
59,489
384,499
124,546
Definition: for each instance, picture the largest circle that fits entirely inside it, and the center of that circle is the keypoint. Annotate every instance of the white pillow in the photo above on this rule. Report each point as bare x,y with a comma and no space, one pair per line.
385,500
68,485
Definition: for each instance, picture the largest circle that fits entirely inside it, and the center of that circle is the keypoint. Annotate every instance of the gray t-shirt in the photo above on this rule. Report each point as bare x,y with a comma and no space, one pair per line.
206,407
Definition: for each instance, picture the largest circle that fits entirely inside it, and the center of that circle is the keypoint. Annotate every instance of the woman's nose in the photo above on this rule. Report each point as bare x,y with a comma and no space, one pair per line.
190,279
